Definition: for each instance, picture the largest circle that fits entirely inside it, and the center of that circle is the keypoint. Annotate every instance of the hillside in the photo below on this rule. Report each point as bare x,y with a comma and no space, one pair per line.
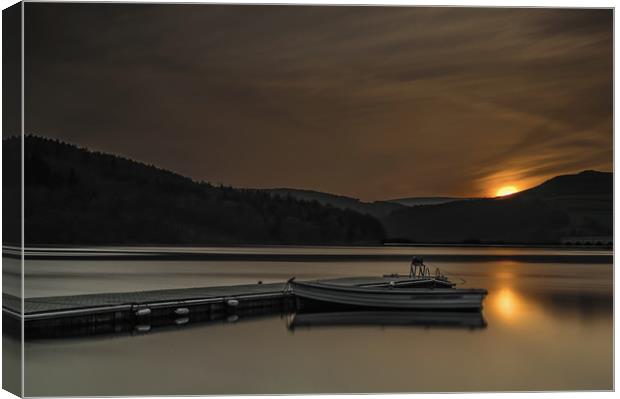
577,205
378,209
75,196
588,182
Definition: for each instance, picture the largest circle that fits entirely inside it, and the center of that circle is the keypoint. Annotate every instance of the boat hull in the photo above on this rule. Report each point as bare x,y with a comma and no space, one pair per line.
392,298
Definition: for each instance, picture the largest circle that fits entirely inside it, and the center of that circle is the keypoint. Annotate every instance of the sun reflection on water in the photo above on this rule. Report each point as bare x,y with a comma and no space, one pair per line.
514,308
507,303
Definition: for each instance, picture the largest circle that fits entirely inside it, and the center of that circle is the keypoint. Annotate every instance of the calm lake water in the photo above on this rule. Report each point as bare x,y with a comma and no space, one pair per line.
549,326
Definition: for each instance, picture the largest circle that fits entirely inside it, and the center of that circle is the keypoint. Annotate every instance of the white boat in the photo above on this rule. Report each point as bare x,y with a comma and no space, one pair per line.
391,297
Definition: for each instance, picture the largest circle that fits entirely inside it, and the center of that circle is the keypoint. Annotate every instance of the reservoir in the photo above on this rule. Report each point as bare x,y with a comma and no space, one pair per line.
548,325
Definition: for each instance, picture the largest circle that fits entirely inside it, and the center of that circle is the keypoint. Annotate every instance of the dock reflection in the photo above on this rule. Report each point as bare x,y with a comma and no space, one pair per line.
293,321
424,319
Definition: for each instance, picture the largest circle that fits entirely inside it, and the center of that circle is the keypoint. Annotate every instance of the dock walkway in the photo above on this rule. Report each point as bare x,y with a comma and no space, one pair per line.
112,311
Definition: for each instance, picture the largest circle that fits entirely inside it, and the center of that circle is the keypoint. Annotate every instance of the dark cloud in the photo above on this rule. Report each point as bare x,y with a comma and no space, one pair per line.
364,101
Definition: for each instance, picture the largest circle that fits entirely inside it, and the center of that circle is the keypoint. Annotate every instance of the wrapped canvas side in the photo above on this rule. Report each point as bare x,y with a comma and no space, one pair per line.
12,242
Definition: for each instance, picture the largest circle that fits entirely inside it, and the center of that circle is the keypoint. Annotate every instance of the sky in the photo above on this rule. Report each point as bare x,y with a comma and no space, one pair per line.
369,102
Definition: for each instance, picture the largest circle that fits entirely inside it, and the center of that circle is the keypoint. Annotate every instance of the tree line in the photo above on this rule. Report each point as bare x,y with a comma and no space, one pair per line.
76,196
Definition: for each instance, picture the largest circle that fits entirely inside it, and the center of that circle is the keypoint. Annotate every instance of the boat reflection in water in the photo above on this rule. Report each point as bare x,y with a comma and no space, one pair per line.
426,319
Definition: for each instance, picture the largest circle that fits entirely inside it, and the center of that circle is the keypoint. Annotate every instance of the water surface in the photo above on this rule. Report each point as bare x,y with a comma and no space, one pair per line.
549,326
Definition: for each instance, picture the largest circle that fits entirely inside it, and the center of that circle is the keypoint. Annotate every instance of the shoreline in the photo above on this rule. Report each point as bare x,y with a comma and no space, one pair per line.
153,254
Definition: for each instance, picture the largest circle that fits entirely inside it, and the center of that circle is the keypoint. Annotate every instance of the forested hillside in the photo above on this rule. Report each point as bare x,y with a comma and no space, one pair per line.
75,196
378,209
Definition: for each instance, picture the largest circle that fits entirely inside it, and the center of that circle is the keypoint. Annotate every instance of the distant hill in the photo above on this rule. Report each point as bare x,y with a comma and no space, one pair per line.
578,205
76,196
416,201
377,209
588,182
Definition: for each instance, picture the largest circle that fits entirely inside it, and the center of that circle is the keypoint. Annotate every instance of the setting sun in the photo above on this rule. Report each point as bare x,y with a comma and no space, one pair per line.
506,190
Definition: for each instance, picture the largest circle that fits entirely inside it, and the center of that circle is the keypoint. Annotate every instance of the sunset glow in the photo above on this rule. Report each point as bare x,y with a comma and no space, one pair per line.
350,110
506,190
507,303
